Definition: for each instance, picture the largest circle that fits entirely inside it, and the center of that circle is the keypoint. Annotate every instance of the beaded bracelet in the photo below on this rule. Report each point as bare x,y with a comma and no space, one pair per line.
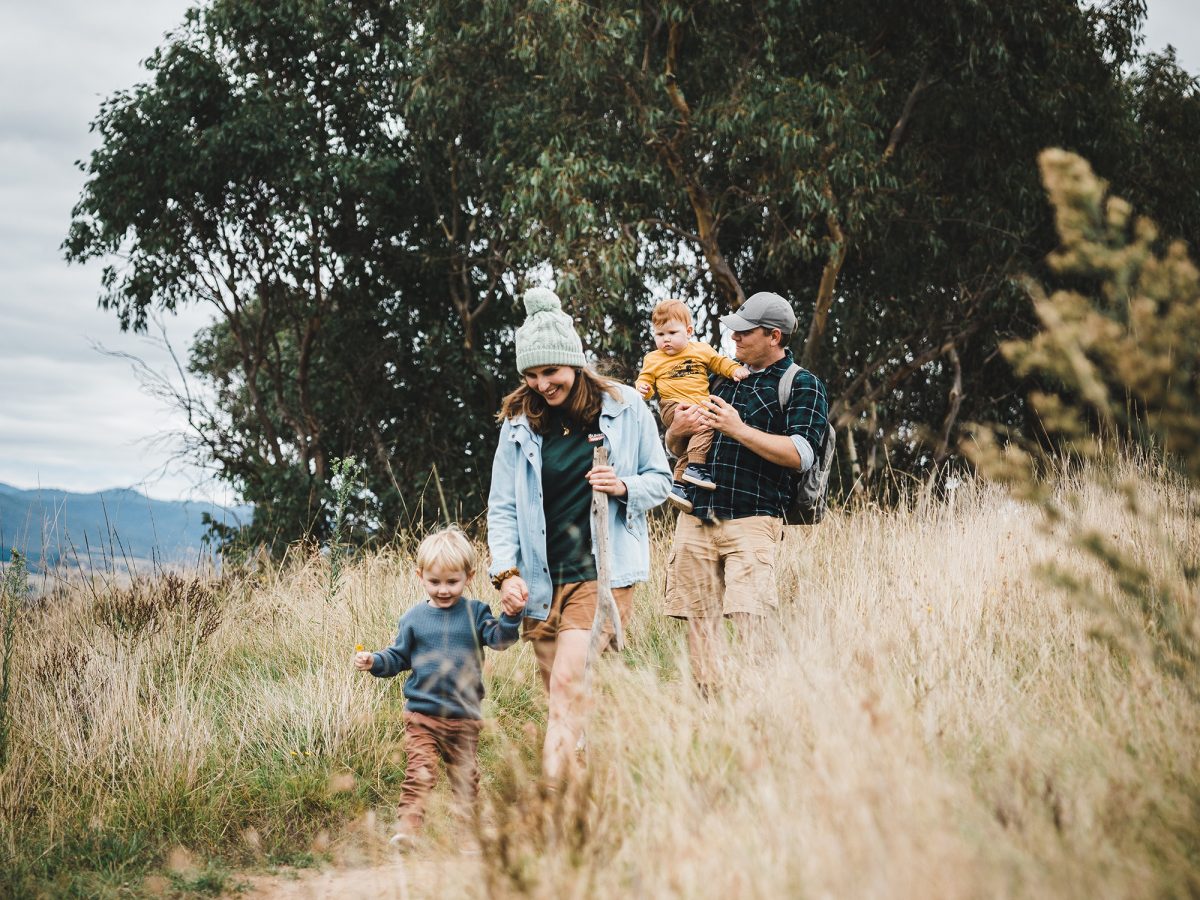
499,578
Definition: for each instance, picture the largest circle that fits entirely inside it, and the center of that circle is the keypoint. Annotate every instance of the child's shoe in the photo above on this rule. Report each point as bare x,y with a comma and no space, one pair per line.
698,475
679,497
403,840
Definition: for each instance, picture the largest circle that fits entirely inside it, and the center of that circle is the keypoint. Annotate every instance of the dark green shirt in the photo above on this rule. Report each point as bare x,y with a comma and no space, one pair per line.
567,502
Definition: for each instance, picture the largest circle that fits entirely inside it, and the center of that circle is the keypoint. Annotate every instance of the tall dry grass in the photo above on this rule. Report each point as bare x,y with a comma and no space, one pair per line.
929,720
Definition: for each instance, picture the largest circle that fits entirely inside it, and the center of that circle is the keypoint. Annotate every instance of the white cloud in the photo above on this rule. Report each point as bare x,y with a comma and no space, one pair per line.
1175,22
70,416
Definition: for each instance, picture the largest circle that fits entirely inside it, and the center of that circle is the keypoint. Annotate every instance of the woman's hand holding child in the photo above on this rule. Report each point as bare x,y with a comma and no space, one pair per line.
513,594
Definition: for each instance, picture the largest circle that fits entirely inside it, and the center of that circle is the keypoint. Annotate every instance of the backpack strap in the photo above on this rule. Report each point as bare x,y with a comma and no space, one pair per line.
785,386
824,454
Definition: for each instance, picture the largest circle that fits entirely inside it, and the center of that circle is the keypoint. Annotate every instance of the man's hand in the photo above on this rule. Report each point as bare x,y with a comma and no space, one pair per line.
720,416
689,419
774,448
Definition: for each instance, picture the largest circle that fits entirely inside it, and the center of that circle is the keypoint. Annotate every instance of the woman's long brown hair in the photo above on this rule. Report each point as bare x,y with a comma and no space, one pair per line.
582,407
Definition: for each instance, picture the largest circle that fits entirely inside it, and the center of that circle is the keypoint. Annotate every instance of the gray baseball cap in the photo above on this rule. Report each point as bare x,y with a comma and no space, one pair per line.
762,310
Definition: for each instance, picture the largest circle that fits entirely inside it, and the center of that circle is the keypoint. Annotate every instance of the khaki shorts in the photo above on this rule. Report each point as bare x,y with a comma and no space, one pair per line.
723,568
573,607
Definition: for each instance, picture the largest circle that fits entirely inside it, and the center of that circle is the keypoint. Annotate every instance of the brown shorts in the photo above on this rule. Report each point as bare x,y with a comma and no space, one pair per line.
573,607
723,567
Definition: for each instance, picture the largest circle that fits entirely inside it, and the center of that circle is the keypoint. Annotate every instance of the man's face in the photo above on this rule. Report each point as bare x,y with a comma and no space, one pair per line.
757,347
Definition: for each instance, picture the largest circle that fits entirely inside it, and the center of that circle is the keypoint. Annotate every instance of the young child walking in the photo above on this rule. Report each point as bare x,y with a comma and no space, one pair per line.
442,641
678,368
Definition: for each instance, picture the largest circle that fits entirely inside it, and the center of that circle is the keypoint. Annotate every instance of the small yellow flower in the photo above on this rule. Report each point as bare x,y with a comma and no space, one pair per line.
359,647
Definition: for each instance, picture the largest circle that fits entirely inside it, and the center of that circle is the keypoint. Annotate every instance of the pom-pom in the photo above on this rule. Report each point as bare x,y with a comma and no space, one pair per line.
540,299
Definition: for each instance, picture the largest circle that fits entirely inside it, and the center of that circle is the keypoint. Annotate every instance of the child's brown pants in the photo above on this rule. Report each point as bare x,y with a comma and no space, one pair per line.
698,444
425,739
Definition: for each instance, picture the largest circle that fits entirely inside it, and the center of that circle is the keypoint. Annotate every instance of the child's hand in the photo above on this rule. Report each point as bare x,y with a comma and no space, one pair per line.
644,389
363,660
513,593
512,603
741,373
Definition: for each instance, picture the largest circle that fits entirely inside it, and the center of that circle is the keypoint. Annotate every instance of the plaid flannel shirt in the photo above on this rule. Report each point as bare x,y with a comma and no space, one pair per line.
747,484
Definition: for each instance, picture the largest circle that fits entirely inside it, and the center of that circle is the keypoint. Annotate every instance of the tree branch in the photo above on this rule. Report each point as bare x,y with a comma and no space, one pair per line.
953,403
829,277
902,374
678,232
723,276
923,84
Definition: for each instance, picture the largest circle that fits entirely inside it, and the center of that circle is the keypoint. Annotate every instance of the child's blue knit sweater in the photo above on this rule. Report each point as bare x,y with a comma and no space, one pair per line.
444,649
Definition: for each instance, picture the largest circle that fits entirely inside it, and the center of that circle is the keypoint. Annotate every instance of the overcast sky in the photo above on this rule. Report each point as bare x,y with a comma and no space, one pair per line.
71,417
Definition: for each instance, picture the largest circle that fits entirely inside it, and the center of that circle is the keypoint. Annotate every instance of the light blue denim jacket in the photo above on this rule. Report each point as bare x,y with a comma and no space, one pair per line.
517,520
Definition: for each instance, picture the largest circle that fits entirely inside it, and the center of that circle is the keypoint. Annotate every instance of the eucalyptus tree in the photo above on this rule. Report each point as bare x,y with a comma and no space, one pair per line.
267,169
360,189
873,161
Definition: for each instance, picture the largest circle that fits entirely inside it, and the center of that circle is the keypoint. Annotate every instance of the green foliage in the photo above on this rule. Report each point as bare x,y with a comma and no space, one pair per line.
871,162
212,881
360,190
264,170
1163,178
88,862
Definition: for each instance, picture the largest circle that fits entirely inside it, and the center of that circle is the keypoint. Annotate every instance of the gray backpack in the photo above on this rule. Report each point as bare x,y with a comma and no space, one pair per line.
806,505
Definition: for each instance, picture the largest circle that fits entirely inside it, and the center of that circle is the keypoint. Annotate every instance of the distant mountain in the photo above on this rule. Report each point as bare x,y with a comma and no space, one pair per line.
108,526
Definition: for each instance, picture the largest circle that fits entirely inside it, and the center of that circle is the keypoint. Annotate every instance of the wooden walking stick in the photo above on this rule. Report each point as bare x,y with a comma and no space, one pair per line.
606,604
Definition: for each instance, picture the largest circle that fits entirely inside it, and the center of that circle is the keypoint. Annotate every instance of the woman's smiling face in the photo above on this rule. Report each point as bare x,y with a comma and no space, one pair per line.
554,383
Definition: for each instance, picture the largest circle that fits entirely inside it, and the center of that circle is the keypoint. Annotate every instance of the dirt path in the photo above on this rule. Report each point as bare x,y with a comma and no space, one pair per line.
407,877
403,880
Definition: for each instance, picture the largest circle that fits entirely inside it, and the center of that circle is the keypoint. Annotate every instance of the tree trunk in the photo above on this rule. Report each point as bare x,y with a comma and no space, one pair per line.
829,277
707,223
839,245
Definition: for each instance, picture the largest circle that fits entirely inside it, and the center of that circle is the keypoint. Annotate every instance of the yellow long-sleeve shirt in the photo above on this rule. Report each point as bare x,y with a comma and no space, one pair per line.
684,376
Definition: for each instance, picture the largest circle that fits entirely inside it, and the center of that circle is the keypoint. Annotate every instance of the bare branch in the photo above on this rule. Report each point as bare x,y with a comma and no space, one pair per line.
902,374
829,277
953,403
678,232
923,84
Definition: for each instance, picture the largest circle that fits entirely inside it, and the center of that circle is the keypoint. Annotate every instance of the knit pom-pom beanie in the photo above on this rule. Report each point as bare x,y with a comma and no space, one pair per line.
548,336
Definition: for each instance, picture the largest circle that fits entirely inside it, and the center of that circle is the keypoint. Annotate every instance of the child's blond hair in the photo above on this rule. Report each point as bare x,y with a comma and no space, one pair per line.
447,550
671,310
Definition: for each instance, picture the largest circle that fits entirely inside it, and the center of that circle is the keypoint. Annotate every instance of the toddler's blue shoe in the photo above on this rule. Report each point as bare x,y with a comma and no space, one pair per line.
698,475
679,497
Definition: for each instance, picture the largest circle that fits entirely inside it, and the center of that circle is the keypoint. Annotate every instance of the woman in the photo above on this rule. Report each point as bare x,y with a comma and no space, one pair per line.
539,526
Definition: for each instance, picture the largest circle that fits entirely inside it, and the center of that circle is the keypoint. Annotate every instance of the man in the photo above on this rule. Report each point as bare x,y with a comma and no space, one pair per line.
724,553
